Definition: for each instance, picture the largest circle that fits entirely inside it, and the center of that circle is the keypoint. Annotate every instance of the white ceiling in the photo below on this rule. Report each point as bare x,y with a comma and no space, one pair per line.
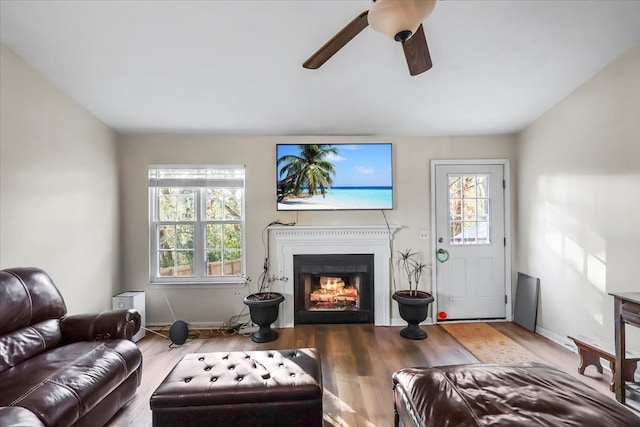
235,67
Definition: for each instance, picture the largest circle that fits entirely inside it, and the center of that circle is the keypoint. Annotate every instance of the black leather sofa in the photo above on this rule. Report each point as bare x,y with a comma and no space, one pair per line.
59,370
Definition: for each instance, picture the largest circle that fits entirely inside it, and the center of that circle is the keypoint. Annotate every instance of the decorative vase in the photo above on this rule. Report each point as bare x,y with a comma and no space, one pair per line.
414,307
263,309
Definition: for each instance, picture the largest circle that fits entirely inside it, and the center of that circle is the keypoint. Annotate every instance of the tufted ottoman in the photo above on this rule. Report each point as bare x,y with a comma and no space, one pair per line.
248,388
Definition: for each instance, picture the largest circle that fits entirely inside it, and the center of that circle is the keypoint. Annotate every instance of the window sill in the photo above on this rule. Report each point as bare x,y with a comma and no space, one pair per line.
196,285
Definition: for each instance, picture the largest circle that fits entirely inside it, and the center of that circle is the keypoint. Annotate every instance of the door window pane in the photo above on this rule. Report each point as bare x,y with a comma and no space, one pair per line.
455,188
469,216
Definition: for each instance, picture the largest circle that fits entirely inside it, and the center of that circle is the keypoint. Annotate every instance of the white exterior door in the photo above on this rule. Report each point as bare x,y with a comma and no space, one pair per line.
470,241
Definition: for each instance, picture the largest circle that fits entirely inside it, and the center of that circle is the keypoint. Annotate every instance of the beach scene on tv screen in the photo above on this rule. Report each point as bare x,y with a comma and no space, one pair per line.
334,176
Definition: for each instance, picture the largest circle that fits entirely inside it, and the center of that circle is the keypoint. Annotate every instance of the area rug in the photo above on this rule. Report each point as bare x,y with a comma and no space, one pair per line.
487,344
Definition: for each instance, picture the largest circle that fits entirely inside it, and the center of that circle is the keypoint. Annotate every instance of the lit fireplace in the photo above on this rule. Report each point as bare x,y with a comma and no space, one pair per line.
332,294
333,289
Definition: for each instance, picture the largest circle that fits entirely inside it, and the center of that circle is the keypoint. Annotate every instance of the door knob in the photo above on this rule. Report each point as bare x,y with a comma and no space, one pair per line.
442,255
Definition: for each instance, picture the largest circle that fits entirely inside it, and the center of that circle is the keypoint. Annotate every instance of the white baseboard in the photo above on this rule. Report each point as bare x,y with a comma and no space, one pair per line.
192,325
397,321
558,339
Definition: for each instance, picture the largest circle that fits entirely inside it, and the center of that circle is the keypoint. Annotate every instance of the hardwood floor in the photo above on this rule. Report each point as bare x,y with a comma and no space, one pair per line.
357,362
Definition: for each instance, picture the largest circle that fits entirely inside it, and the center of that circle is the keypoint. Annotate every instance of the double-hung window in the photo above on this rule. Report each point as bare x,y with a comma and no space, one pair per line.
196,224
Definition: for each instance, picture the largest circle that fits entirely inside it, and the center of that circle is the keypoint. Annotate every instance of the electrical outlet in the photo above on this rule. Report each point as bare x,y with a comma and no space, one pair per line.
424,235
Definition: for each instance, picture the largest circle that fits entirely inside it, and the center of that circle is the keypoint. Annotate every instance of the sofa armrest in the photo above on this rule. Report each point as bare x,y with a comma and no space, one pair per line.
108,325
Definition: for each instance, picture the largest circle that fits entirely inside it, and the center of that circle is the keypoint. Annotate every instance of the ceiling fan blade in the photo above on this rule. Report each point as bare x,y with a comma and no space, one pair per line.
338,41
417,52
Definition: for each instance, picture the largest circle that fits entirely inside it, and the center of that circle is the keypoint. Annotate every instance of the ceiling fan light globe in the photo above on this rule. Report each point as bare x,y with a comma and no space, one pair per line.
392,17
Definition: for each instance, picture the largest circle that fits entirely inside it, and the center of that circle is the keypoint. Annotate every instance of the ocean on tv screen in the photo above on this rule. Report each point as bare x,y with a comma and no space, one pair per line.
343,198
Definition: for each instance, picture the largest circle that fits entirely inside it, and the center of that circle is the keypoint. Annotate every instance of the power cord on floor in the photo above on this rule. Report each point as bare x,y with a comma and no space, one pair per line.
237,322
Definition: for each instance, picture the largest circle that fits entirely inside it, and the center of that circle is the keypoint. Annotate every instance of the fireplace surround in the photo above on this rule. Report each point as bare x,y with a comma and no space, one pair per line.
334,240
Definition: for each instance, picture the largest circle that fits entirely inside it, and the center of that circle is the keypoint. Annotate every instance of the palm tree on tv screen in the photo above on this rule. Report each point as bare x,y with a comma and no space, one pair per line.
309,170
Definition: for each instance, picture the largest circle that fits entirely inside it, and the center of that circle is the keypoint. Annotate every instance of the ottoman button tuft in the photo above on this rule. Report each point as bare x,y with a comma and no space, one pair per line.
186,380
214,379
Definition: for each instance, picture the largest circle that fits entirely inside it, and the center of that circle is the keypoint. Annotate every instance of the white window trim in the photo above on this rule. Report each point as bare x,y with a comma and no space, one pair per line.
194,282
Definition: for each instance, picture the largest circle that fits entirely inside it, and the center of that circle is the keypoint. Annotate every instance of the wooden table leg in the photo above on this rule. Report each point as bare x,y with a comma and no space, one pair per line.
620,341
587,358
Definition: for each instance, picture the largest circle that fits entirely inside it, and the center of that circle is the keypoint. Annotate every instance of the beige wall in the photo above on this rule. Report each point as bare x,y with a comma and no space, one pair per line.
412,158
579,201
575,170
58,188
60,199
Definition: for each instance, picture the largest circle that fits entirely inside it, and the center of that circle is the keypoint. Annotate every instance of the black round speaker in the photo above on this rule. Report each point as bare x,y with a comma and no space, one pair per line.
179,332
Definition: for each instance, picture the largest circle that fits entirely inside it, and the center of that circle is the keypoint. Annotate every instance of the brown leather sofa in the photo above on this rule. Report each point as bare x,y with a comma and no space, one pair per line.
59,370
501,395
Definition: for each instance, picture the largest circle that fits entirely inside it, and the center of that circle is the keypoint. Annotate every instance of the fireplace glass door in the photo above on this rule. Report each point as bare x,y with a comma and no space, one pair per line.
333,288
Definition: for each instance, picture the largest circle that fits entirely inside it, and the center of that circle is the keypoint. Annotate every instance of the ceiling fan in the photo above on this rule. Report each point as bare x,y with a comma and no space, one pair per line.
399,19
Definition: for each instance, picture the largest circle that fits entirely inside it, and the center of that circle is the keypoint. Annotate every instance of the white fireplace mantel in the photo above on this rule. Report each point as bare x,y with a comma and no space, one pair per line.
335,239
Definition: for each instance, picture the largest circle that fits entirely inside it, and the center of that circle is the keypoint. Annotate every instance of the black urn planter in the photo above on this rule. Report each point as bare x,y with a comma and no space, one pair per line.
414,307
263,309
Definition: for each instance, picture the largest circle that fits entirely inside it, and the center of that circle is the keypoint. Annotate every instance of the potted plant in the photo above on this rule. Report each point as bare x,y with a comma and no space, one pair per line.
413,304
263,307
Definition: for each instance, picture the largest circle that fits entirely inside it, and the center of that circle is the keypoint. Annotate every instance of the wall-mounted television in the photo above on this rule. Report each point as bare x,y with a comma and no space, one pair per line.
334,176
